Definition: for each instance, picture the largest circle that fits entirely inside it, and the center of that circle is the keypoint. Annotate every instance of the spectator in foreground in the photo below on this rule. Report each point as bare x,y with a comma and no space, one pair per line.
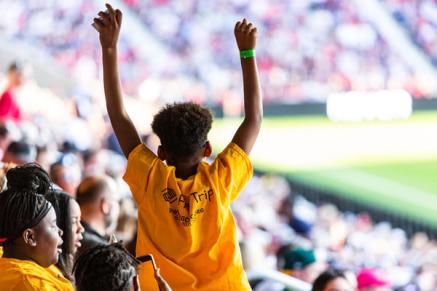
110,268
185,197
31,240
67,213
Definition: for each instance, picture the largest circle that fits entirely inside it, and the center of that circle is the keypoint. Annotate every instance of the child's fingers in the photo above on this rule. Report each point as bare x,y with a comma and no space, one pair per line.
104,17
248,28
253,31
118,16
237,26
98,24
111,11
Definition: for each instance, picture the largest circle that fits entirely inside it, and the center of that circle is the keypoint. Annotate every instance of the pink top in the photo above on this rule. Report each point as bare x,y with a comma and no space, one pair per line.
8,107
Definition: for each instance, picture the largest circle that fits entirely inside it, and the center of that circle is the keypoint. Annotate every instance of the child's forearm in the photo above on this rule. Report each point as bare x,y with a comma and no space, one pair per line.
114,100
124,128
108,25
247,133
253,111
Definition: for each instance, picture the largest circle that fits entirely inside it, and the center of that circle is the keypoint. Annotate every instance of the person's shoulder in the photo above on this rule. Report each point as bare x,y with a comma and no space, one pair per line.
233,152
22,271
22,266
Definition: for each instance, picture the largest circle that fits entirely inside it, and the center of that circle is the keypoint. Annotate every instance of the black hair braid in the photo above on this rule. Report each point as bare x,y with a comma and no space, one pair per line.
28,177
19,211
104,267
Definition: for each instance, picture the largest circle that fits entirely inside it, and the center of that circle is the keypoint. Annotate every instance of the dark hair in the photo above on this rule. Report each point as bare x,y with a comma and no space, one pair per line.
182,128
90,189
22,150
4,131
29,177
323,279
21,204
61,204
105,267
14,67
32,178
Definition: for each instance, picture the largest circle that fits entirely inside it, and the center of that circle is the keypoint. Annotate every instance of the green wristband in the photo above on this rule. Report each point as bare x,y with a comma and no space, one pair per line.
247,54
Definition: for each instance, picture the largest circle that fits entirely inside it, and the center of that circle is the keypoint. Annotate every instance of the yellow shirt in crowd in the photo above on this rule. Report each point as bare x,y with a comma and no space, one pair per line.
187,224
22,275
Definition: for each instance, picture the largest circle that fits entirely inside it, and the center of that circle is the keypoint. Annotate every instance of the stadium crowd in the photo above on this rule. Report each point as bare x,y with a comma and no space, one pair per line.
419,19
322,236
64,213
326,56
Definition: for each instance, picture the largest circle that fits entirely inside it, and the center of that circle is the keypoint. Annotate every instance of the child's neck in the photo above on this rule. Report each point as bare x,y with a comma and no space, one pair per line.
184,171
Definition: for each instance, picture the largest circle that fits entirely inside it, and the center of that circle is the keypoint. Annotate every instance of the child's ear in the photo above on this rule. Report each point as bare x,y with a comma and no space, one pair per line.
162,155
29,237
207,152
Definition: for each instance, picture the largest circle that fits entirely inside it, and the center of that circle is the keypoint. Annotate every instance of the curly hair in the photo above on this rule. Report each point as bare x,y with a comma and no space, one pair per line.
105,267
182,128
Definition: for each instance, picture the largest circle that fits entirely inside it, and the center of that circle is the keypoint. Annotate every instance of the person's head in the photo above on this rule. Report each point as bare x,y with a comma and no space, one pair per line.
68,220
301,263
106,267
332,280
28,228
66,173
15,75
20,152
99,202
183,131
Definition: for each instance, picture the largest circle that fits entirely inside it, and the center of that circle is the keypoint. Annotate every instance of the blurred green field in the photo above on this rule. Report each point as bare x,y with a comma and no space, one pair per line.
389,165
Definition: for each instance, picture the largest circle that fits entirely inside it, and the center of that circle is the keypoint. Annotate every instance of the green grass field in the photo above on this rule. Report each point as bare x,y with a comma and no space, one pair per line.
389,165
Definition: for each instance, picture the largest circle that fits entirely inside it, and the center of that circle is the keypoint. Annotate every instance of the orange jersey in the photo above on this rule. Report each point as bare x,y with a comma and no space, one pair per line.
188,224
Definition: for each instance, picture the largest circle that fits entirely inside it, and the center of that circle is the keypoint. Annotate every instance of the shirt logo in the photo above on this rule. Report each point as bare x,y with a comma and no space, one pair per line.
180,205
169,195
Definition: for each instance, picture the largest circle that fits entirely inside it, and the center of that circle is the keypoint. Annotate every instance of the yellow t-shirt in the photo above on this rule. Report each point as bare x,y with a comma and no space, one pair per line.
22,275
188,225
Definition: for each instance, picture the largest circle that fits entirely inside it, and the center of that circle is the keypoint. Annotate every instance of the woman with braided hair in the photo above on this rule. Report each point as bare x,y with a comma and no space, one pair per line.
29,235
66,208
110,268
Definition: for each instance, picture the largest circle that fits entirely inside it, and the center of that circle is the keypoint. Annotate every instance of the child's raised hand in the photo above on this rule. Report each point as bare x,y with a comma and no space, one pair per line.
245,35
108,25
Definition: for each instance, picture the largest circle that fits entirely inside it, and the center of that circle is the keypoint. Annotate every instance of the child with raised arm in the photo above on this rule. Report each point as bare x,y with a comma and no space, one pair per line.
184,214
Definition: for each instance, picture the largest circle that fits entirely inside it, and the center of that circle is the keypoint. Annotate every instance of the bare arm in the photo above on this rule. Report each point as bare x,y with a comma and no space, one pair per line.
108,25
248,131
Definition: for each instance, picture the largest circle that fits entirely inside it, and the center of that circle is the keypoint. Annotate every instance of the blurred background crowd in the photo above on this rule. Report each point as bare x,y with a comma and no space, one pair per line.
308,50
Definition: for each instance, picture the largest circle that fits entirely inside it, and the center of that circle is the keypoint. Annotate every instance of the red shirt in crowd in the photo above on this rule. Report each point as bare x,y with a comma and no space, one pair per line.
8,107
